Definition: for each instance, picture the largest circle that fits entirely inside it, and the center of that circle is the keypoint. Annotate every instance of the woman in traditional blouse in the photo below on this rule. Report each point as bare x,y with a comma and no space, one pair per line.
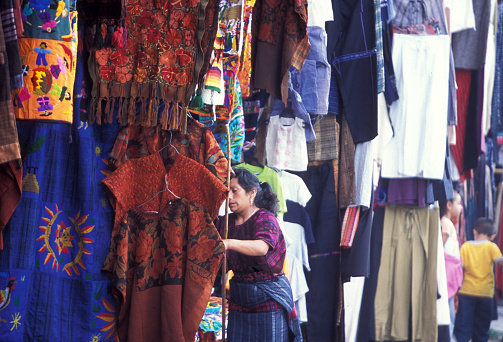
261,304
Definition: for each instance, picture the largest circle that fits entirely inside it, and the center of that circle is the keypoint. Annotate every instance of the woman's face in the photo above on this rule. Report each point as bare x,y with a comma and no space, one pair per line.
239,199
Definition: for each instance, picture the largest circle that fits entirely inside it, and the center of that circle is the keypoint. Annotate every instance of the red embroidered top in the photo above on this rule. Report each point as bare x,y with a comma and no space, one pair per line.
198,144
163,267
138,180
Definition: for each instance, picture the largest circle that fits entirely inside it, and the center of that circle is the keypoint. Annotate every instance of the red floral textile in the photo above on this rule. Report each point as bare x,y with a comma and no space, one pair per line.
159,62
198,144
279,32
163,267
186,178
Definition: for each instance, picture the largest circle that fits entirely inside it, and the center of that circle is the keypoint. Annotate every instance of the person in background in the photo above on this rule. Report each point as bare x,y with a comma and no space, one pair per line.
453,266
473,318
261,306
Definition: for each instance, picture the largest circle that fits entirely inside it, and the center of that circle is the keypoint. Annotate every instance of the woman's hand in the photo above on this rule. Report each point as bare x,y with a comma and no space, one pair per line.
226,243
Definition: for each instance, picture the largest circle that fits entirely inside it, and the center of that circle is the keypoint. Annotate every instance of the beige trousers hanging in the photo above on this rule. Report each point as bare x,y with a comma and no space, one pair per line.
407,281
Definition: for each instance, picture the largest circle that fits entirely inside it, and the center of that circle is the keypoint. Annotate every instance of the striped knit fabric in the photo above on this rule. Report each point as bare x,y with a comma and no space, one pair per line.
214,76
349,225
270,324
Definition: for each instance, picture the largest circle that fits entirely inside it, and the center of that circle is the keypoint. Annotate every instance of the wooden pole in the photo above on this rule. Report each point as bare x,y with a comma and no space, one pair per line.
226,229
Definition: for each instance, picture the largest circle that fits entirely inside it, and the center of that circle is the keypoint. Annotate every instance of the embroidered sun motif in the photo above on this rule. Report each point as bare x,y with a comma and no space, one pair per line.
109,317
64,240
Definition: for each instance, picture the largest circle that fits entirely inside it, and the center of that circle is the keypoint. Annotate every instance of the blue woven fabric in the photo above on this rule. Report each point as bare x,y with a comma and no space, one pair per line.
271,326
58,237
497,100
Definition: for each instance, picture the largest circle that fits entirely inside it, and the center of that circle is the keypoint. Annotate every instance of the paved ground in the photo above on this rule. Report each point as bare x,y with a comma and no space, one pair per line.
497,326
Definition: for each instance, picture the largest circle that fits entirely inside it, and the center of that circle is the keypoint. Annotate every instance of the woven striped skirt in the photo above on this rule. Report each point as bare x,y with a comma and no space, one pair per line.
273,318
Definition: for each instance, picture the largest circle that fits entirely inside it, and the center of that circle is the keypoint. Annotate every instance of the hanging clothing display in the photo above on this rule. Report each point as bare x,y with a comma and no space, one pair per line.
463,79
128,181
352,303
489,69
286,144
158,62
114,159
236,128
319,12
323,302
296,108
11,175
279,40
347,186
418,146
10,45
199,144
461,15
497,104
294,228
355,261
404,292
326,145
364,167
366,323
9,144
351,50
312,81
49,61
166,259
470,46
56,240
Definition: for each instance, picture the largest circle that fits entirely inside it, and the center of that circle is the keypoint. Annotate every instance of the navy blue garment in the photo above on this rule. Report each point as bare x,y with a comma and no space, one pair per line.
324,258
351,49
473,318
479,178
298,214
472,145
390,91
334,96
497,100
443,334
471,216
355,261
366,322
441,190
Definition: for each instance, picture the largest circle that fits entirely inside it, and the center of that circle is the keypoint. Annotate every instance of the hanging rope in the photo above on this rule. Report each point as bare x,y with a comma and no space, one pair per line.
226,228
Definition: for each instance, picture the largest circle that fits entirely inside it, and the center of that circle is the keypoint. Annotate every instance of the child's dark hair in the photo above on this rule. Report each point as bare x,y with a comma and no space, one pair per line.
485,226
443,204
265,198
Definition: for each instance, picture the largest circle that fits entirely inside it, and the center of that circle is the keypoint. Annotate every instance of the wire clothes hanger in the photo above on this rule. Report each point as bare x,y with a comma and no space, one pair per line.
169,144
165,189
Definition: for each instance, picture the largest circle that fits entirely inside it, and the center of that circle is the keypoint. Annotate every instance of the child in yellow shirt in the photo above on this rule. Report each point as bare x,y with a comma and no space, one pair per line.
473,318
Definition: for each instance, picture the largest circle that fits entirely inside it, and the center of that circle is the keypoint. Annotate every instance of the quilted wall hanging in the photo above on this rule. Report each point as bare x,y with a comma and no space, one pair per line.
48,54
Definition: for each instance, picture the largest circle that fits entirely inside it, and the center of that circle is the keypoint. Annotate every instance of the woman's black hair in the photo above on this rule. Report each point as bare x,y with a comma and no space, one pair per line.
266,198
